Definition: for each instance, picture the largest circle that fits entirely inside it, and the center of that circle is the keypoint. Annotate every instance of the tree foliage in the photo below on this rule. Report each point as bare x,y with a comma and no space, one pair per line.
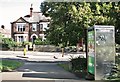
68,20
39,41
6,42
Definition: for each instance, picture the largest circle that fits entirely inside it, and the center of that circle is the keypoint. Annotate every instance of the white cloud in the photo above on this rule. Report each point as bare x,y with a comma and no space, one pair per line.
13,9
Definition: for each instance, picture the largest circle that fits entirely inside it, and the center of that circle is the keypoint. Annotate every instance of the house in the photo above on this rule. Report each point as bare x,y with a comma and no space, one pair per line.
5,32
30,27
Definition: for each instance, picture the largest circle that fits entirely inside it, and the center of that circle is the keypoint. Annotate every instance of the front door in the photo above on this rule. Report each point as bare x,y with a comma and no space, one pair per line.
33,39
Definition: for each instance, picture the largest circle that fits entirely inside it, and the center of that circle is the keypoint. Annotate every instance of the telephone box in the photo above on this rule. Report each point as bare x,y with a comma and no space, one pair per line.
101,50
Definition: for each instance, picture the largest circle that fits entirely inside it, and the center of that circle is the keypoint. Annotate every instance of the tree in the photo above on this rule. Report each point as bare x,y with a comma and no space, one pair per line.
68,20
110,15
64,29
116,12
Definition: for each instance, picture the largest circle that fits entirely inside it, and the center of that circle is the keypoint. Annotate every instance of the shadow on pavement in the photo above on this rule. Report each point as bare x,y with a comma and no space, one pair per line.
29,81
21,56
48,75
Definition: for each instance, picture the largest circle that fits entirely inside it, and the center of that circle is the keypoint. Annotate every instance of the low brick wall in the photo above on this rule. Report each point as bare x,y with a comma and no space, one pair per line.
45,48
39,48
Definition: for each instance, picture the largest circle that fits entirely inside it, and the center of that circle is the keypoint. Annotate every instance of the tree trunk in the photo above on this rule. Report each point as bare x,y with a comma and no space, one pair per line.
86,45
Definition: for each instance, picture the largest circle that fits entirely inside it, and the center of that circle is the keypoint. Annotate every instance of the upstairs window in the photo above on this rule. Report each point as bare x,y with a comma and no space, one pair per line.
21,27
34,27
41,27
48,25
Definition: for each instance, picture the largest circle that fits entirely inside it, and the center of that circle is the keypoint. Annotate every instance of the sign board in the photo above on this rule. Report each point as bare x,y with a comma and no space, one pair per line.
91,53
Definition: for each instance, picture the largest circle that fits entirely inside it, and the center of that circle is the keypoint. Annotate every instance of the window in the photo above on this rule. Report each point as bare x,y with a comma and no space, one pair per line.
34,27
41,27
48,25
20,27
16,38
45,36
20,38
23,28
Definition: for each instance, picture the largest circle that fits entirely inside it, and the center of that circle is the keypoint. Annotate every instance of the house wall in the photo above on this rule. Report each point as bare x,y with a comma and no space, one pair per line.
31,32
28,30
14,31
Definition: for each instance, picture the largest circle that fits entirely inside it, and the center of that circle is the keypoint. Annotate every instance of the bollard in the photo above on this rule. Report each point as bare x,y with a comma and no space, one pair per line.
24,51
62,52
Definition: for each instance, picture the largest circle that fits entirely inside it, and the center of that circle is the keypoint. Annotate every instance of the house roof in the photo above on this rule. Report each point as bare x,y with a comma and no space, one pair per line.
4,31
33,17
19,20
36,17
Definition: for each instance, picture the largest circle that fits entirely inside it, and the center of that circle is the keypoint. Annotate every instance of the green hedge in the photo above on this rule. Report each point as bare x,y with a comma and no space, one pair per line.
79,64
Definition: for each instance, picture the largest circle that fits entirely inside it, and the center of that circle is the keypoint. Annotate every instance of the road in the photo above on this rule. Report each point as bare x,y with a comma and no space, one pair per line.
40,56
38,71
40,66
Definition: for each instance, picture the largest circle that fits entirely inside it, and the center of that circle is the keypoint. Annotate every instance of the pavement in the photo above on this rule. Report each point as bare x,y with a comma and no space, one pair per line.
40,56
41,66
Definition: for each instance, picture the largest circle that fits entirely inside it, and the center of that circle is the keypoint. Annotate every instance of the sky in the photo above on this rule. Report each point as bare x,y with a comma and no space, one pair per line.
11,10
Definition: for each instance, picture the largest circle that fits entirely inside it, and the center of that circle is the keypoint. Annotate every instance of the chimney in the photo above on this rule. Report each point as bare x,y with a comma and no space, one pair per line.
2,26
31,10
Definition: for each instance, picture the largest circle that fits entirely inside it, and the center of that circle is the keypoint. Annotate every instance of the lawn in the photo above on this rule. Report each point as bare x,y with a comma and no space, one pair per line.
9,65
65,66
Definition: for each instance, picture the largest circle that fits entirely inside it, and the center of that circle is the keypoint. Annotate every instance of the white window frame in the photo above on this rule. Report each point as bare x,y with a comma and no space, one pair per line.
44,26
41,27
20,27
21,38
34,27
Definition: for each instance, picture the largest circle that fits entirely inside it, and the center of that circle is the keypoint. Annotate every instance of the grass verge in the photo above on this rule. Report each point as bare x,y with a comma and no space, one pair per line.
9,65
65,66
68,67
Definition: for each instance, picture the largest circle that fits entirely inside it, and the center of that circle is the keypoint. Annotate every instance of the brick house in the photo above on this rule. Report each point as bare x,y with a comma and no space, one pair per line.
30,27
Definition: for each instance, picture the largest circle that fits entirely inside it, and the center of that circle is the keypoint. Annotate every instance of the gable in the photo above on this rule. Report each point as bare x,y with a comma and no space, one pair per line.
20,20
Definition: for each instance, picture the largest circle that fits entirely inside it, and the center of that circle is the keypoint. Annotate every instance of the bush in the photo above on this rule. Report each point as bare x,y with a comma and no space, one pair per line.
117,48
8,42
25,43
5,46
38,41
18,44
79,64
